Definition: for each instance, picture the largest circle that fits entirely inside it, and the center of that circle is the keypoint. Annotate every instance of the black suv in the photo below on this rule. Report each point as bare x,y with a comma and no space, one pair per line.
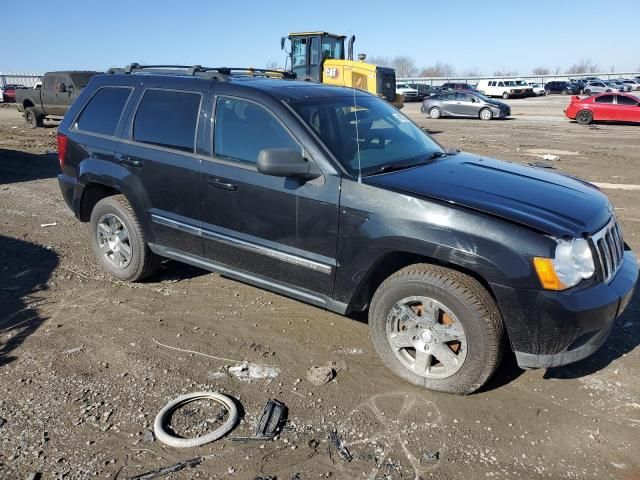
331,196
564,88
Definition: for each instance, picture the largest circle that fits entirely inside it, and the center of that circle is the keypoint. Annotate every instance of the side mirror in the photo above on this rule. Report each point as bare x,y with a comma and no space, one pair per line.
70,88
285,162
282,40
61,88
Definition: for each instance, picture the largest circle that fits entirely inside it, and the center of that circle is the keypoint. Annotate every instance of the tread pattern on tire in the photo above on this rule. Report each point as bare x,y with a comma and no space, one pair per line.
149,262
475,294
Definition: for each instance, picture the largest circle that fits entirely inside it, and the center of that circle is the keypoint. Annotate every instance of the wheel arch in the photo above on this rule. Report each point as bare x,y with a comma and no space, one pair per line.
26,103
393,261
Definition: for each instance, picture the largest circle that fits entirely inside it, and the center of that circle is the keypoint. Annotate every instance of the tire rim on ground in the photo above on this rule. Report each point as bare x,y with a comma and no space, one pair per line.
114,241
173,441
426,337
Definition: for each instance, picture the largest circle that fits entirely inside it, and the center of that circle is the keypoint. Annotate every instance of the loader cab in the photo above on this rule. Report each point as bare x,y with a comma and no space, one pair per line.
309,49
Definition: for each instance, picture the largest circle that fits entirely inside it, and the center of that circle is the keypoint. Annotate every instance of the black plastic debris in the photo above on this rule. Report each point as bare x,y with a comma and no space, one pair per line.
339,446
176,467
541,165
273,418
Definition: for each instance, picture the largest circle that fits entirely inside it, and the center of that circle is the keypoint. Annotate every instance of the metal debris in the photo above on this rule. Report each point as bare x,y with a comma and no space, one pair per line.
249,371
176,467
541,165
430,456
340,447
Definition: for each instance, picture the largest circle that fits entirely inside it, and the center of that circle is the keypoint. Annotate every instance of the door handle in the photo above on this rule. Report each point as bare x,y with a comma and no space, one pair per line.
222,183
131,161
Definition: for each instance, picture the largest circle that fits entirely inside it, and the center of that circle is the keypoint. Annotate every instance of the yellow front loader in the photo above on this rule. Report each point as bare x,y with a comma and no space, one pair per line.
320,57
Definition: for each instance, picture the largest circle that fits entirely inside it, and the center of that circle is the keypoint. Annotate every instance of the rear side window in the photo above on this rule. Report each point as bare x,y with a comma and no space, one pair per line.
168,119
623,100
604,99
102,112
244,128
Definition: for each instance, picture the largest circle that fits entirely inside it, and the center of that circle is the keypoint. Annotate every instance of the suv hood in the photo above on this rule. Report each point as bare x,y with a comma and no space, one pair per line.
552,203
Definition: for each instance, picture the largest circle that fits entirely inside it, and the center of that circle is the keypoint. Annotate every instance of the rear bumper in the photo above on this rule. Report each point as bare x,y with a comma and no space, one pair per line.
71,192
548,329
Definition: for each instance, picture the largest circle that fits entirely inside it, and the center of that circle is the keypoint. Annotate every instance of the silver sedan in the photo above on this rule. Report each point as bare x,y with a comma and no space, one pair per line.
464,104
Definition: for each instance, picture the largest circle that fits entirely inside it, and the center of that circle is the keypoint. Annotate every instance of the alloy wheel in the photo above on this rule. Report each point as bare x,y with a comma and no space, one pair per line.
114,241
426,337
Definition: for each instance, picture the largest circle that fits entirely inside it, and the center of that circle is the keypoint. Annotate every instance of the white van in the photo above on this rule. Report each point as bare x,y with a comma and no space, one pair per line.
500,88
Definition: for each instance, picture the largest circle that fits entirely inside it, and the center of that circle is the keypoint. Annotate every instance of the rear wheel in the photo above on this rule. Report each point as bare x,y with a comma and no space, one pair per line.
118,241
437,328
587,92
486,114
33,119
564,92
584,117
435,113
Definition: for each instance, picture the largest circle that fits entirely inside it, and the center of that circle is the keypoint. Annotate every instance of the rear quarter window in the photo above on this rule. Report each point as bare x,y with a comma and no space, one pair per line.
102,112
167,118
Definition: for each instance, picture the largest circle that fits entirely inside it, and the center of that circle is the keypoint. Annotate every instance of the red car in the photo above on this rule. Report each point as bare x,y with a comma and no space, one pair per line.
9,94
615,107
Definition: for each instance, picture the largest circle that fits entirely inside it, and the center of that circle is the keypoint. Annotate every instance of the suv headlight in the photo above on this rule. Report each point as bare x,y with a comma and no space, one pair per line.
572,262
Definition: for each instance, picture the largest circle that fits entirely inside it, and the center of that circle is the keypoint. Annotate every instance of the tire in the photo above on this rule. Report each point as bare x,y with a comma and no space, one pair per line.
486,114
505,95
564,92
584,117
587,92
435,113
33,119
466,305
115,214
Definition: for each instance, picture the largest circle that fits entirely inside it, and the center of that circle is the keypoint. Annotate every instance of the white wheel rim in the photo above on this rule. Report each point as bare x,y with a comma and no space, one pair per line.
434,113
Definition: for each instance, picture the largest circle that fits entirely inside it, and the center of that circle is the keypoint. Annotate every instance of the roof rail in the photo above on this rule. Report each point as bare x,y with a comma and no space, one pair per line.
218,73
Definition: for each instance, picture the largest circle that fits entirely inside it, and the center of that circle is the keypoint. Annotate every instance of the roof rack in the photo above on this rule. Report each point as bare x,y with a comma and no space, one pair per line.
217,73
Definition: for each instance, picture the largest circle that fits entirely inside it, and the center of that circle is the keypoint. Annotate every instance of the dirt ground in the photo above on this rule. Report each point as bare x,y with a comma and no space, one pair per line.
85,362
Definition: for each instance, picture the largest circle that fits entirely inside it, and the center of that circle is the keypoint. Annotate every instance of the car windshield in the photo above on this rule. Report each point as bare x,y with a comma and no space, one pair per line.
366,134
81,80
479,95
521,83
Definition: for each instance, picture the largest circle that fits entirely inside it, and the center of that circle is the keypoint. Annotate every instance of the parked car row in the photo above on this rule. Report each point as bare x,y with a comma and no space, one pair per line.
8,92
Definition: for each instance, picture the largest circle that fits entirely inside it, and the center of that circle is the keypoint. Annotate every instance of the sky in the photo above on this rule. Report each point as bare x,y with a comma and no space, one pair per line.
483,35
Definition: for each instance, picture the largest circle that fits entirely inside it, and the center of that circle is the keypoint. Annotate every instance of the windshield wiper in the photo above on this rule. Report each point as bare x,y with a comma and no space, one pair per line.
403,165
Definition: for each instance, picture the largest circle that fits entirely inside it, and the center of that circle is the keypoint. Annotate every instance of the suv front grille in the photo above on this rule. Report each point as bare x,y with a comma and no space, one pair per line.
610,248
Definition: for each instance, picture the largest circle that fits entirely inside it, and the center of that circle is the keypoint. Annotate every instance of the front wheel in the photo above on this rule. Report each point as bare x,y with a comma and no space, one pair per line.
505,95
435,113
437,328
587,92
486,114
584,117
564,92
118,241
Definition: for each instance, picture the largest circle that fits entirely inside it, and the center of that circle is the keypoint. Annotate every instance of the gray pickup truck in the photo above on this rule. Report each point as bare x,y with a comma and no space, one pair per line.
53,98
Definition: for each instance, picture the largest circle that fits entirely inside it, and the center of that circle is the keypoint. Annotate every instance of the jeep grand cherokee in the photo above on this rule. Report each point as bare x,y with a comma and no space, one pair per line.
331,196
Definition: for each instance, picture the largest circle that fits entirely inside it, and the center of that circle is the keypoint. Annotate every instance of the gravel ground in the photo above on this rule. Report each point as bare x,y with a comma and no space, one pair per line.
85,362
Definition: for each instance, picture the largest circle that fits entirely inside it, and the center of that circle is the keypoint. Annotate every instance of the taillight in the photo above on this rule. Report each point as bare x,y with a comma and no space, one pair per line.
62,149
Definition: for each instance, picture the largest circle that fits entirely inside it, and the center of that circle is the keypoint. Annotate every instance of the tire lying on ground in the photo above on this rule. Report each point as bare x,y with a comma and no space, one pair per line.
173,441
437,328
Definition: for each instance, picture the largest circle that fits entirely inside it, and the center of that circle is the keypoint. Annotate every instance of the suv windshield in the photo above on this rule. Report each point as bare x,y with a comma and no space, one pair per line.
366,131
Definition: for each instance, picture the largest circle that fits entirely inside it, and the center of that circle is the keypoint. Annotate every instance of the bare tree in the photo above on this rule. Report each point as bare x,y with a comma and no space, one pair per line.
439,69
404,66
505,72
541,71
585,65
471,72
381,61
557,70
273,65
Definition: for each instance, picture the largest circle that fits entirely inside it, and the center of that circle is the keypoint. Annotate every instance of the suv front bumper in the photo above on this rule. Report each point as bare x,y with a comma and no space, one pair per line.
548,329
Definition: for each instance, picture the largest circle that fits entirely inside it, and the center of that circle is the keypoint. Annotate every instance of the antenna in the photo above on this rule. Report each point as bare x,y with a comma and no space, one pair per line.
355,112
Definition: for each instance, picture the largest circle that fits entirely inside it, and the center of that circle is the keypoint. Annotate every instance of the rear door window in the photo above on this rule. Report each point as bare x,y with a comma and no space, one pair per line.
604,99
167,118
102,112
243,128
623,100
